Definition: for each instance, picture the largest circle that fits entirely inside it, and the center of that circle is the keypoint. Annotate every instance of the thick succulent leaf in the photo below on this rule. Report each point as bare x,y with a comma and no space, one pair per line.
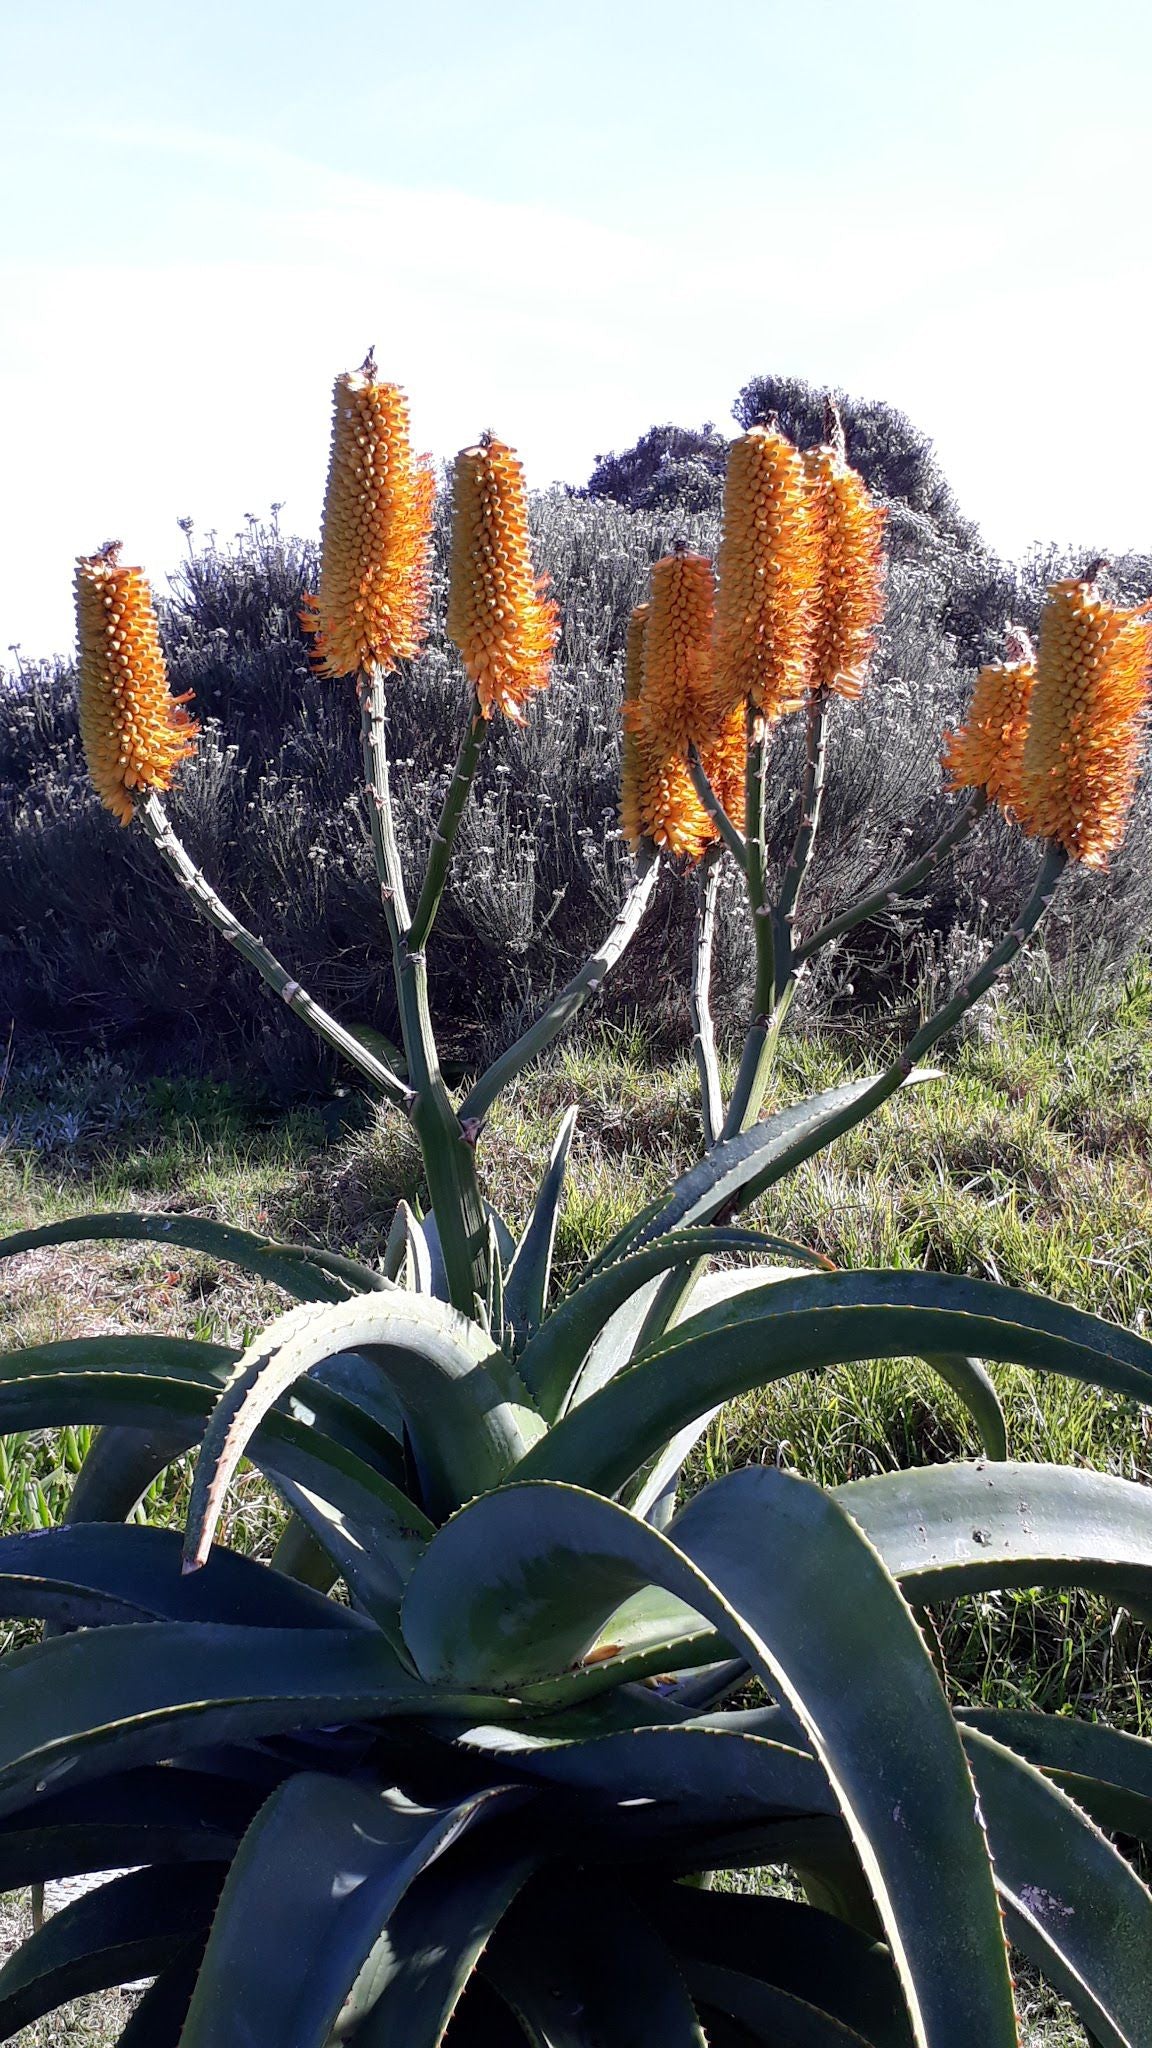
814,1957
1106,1772
551,1361
526,1578
584,1969
112,1698
406,1257
322,1443
974,1387
305,1271
505,1242
159,2018
436,1933
153,1815
86,1574
130,1928
451,1381
121,1466
526,1286
824,1319
734,1172
1072,1903
657,1784
308,1898
944,1530
770,2015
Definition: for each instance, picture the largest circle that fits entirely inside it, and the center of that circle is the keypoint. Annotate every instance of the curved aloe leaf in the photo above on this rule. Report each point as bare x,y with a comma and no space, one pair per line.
78,1576
305,1271
734,1172
672,1781
526,1283
1072,1903
770,2015
153,1815
322,1444
550,1362
944,1530
824,1319
525,1578
120,1467
130,1928
581,1965
337,1858
813,1956
159,2017
973,1386
406,1257
436,1934
111,1698
449,1378
1106,1772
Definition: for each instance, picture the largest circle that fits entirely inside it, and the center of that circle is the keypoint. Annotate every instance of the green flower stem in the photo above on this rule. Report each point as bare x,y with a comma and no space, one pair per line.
703,1030
444,837
731,834
571,999
449,1157
942,1020
756,1058
900,884
381,821
156,824
795,874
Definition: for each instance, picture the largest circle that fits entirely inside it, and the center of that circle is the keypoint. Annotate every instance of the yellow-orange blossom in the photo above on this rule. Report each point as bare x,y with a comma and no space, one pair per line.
766,570
849,532
370,608
133,731
498,616
1081,755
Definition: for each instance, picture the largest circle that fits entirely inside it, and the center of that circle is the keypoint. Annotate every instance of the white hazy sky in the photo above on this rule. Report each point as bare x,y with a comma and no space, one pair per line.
566,224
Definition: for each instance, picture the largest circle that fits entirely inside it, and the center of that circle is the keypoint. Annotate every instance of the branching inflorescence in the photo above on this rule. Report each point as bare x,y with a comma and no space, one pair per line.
454,1805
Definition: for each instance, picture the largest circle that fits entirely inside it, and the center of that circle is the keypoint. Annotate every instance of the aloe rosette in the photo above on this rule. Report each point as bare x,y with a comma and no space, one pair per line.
460,1763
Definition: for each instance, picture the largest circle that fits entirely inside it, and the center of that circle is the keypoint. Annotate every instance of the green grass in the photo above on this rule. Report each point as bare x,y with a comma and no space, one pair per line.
1027,1163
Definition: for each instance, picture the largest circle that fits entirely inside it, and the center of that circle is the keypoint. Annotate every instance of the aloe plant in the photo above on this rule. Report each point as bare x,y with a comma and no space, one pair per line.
462,1762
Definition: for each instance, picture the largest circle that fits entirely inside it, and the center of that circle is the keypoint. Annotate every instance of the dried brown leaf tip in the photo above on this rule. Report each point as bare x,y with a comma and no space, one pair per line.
134,732
498,615
1082,753
370,609
850,605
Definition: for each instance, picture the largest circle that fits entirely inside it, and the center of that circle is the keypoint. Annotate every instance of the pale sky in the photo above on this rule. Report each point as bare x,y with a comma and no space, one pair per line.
564,224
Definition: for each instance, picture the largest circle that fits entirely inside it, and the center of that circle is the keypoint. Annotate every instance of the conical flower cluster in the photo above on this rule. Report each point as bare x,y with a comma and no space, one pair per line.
849,530
673,706
988,750
1081,755
767,568
498,617
370,609
133,730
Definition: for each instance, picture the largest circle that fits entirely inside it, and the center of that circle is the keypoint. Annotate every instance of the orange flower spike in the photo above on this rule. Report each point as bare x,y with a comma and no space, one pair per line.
373,597
498,617
767,570
725,763
675,703
677,694
1082,752
988,750
133,731
850,530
